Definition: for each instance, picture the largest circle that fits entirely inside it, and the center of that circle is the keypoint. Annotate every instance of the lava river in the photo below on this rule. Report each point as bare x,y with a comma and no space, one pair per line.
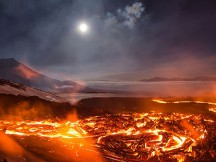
117,137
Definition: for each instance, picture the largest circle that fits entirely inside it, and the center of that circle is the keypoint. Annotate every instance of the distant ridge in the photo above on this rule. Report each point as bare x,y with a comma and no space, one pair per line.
12,70
161,79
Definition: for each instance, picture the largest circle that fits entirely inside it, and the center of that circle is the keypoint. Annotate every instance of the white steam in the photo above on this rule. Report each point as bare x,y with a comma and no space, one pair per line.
127,16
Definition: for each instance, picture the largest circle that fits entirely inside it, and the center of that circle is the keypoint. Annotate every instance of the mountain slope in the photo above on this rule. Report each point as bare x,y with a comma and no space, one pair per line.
8,87
12,70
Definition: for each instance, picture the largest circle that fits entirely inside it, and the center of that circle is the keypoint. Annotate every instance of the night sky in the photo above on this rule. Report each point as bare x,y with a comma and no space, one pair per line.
126,39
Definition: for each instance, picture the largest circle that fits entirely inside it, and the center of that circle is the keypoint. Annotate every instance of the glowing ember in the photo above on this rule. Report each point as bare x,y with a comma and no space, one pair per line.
213,110
132,137
159,101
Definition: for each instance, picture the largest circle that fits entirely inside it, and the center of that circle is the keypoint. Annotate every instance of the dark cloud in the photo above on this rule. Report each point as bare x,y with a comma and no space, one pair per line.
140,37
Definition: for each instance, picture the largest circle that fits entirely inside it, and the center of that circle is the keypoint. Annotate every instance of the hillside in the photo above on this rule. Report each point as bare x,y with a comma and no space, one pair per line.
12,70
18,101
8,87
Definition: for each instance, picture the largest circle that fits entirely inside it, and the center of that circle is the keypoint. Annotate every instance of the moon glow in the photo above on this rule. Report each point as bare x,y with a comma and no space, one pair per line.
83,28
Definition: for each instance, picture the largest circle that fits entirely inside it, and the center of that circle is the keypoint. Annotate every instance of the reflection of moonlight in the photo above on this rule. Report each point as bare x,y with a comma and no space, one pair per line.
83,27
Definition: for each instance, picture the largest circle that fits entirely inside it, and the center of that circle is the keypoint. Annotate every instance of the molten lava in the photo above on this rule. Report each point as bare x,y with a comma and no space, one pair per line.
125,137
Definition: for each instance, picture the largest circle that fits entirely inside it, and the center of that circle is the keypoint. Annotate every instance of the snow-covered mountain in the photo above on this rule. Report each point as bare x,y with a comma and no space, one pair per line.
8,87
12,70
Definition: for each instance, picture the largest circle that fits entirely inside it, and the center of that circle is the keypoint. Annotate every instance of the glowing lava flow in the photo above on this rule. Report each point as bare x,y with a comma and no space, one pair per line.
132,137
198,102
212,110
176,102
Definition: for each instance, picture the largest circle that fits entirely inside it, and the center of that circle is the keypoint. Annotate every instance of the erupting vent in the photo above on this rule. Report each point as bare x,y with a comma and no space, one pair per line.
130,137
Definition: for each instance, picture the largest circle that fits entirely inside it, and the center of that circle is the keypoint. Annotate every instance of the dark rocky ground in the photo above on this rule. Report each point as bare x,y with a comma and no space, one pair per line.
34,107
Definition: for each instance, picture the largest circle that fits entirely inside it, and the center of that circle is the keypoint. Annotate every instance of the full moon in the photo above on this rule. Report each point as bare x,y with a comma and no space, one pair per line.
83,27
